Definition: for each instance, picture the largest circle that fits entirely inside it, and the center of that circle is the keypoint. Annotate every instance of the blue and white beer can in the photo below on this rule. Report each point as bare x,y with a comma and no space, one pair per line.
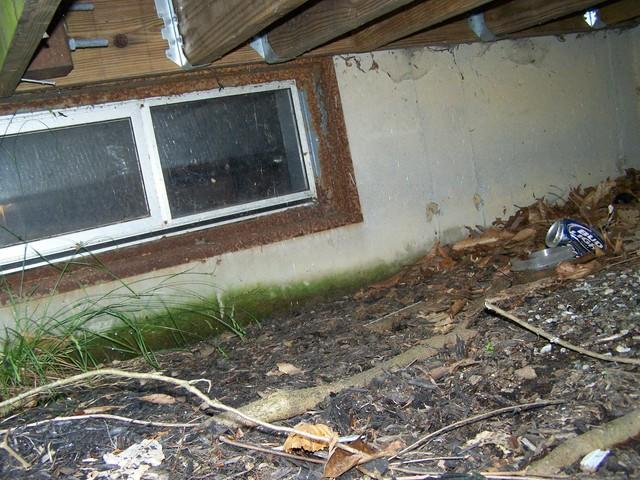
580,237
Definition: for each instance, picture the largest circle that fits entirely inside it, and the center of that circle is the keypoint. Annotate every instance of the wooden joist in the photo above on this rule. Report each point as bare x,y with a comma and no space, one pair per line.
143,52
410,20
321,22
212,28
612,14
508,19
522,14
22,25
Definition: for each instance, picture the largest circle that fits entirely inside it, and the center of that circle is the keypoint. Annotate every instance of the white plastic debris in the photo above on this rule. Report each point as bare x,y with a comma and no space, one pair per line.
592,460
137,459
622,349
546,349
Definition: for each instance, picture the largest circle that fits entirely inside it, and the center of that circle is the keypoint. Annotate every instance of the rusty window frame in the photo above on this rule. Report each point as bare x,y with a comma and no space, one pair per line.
160,222
337,203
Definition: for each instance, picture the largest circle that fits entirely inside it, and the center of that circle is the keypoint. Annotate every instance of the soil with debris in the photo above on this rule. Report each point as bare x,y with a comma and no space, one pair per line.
593,303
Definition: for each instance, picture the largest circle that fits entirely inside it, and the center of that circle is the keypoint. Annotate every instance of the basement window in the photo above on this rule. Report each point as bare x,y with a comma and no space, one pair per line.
95,178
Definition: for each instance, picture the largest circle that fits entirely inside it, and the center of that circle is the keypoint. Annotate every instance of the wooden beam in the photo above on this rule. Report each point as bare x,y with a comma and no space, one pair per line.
620,12
321,22
53,57
505,19
137,49
22,25
413,19
612,14
212,28
522,14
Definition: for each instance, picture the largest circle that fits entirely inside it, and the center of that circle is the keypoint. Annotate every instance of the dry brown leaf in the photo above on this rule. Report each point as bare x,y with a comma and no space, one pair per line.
285,369
488,239
159,398
457,307
341,462
294,441
574,271
524,234
101,409
392,448
629,216
288,368
617,249
601,192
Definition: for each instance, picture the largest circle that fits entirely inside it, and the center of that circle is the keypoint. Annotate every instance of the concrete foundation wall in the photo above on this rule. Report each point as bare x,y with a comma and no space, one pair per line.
446,138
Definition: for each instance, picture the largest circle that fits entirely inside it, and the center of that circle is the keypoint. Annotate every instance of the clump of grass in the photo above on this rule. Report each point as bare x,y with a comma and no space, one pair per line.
46,343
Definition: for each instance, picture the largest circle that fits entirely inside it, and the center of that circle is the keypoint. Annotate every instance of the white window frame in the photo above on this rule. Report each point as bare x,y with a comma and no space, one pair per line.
159,220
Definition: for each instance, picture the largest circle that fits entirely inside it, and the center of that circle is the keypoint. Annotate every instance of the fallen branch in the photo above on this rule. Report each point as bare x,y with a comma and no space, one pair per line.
603,437
4,445
559,341
477,418
106,416
290,403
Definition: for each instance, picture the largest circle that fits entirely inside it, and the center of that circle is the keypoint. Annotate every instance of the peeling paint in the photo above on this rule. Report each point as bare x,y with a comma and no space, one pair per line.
405,65
477,201
525,52
433,209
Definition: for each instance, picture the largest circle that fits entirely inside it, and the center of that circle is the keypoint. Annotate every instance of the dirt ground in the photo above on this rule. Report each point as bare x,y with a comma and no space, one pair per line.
594,303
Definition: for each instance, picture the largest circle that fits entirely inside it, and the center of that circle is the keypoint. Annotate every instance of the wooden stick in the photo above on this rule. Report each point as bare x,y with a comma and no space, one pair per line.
7,448
603,437
559,341
106,416
477,418
224,439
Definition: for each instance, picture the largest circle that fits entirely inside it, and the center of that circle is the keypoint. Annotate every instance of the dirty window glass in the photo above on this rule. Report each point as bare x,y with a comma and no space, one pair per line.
68,179
227,151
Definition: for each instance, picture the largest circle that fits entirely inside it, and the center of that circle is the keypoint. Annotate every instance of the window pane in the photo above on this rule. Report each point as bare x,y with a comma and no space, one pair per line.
228,151
68,179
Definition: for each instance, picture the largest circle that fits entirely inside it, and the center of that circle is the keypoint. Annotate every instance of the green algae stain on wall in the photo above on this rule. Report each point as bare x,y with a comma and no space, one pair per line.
178,326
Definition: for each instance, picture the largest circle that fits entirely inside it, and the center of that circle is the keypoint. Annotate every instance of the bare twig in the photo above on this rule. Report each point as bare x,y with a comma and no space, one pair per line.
396,312
106,416
477,418
8,404
4,445
559,341
429,459
270,451
416,475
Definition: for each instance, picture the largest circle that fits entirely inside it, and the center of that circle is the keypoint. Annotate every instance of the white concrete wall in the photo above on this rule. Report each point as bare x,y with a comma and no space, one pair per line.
446,138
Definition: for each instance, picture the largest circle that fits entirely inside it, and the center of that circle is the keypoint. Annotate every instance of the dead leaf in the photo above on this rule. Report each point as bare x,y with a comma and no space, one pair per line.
499,439
574,271
526,373
284,369
489,238
101,409
341,461
601,192
392,448
617,249
524,234
159,398
294,441
457,307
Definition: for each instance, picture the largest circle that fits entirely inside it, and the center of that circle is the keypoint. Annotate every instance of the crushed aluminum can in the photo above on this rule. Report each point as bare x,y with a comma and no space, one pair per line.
579,236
